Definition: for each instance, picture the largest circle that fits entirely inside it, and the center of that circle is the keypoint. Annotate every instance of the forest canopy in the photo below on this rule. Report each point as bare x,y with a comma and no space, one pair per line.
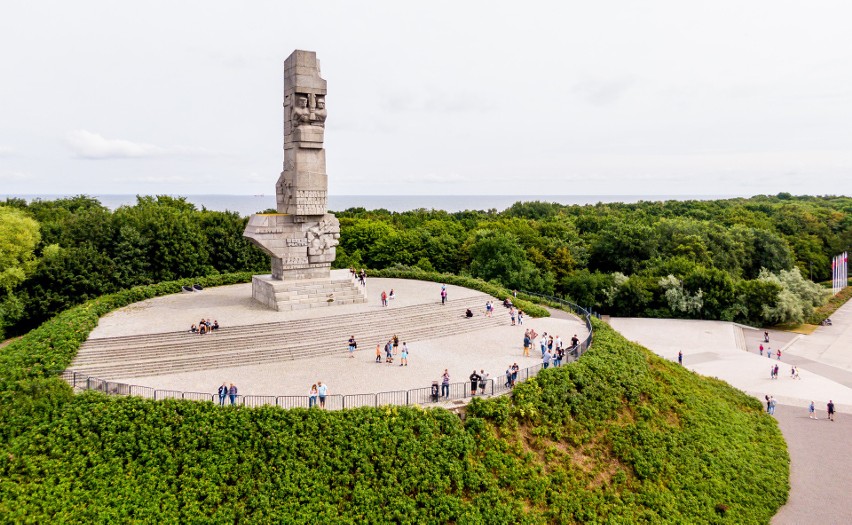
748,260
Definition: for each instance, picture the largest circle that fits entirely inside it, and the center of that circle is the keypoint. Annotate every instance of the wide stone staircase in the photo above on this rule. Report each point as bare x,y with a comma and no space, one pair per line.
173,352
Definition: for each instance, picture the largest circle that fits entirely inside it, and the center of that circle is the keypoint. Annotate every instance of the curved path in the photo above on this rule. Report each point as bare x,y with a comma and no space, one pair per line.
820,452
455,343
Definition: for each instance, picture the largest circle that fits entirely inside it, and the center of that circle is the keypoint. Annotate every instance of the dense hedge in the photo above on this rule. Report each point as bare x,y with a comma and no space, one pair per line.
619,436
492,289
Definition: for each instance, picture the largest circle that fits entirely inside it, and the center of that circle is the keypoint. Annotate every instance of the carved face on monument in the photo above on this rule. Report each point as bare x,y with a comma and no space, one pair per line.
320,103
303,102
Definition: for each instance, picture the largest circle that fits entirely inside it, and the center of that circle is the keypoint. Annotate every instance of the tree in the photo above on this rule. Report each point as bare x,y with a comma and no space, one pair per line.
497,256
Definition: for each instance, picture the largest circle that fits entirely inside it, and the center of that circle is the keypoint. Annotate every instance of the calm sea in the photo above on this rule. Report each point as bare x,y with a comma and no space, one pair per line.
248,204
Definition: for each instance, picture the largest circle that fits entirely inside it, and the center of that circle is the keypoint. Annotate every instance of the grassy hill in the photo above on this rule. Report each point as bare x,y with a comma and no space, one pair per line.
620,436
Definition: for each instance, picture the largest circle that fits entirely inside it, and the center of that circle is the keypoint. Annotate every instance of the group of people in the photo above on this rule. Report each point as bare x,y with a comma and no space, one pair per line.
361,276
229,392
318,391
387,297
204,326
392,349
829,408
769,352
512,375
774,370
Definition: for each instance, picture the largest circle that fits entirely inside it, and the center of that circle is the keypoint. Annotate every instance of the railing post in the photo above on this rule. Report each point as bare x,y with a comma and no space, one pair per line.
407,402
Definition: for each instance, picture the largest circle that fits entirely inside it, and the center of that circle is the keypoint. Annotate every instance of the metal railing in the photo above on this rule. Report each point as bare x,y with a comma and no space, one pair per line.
415,396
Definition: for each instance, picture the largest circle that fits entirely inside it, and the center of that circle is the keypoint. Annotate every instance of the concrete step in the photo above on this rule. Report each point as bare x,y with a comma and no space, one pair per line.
231,358
153,354
288,326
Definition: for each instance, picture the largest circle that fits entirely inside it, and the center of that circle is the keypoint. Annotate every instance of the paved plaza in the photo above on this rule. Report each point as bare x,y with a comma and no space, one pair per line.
821,458
490,348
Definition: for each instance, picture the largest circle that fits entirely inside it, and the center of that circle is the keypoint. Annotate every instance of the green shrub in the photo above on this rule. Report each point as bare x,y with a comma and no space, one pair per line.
619,436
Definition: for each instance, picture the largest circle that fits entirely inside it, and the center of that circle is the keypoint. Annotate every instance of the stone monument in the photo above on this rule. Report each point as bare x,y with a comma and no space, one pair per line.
302,236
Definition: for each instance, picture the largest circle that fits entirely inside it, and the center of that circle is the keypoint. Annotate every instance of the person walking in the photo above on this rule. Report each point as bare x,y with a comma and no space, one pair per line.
765,337
772,404
474,382
232,393
445,384
322,390
543,343
520,317
776,371
223,393
546,359
352,346
812,411
680,357
312,396
830,409
769,352
443,294
512,314
378,352
508,377
778,354
761,350
767,403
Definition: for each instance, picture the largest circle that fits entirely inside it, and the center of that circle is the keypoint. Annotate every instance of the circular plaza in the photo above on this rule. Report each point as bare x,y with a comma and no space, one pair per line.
282,353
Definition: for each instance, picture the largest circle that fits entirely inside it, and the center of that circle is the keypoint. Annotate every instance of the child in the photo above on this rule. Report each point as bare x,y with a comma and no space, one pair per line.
379,352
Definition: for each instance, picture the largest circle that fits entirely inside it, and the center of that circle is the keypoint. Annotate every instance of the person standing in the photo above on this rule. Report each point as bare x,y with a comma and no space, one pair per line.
830,409
546,359
352,346
232,393
443,294
508,377
483,380
474,382
778,354
223,393
772,404
769,352
680,357
378,352
575,341
767,403
512,314
384,298
812,411
312,396
515,370
395,340
761,350
488,308
776,371
322,390
527,343
445,384
520,317
403,359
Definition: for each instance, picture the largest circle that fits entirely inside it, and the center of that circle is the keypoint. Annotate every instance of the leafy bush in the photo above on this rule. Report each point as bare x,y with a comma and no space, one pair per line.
619,436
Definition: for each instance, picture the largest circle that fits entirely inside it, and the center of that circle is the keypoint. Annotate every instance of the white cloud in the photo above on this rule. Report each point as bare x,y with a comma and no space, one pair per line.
6,151
88,145
14,175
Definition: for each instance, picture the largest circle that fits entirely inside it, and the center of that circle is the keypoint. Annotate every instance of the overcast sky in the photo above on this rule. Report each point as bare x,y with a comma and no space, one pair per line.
523,98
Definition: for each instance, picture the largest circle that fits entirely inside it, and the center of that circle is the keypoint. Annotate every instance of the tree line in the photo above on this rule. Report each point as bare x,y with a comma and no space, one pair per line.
748,260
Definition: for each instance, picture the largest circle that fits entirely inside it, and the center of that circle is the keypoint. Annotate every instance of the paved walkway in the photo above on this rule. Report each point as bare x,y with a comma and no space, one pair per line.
820,452
490,349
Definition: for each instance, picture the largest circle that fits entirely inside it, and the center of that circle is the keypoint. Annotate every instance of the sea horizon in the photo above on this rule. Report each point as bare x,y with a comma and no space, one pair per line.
249,204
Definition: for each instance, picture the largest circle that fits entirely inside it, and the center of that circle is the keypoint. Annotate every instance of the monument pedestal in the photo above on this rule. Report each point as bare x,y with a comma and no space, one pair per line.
337,289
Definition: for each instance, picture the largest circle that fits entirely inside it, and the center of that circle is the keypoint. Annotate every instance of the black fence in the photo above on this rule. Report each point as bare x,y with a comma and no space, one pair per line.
416,396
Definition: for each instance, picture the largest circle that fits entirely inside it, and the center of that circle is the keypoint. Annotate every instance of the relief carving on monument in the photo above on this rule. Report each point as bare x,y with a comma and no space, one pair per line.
323,237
